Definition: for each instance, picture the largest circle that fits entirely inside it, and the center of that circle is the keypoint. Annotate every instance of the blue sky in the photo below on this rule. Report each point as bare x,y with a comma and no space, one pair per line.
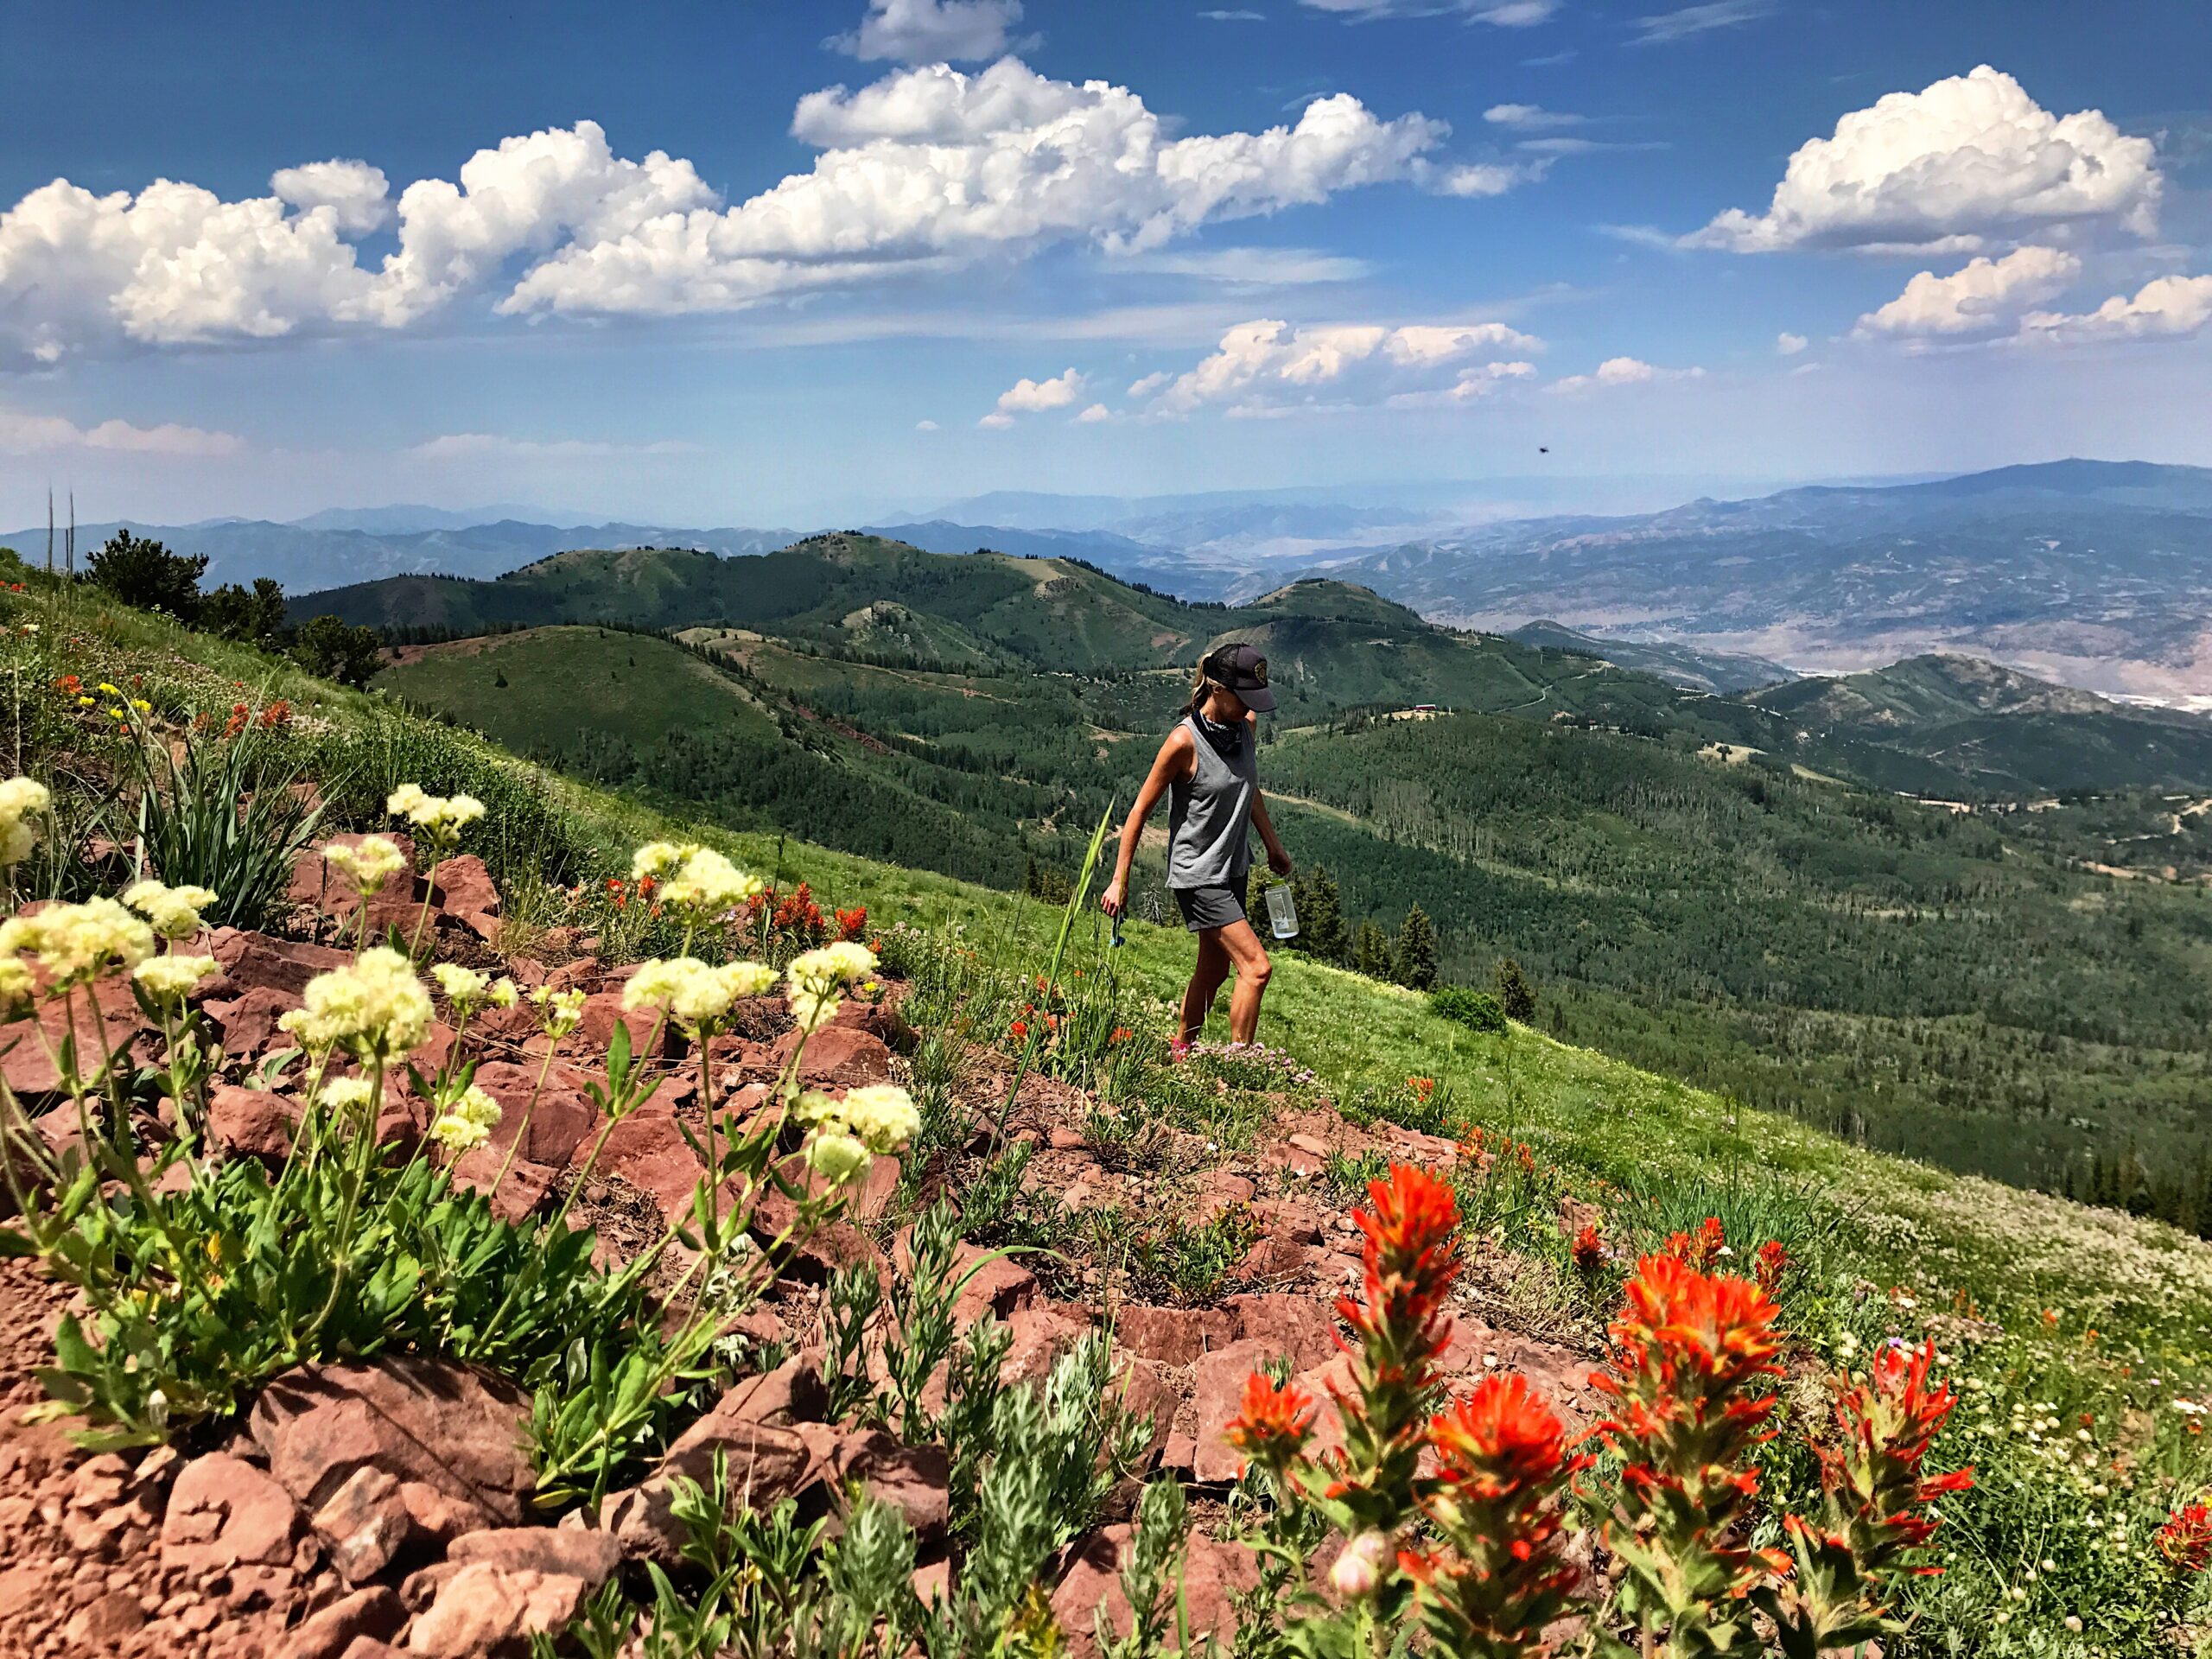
750,262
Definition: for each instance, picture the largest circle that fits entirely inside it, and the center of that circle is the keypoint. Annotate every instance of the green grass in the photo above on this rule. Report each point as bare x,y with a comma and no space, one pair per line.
540,690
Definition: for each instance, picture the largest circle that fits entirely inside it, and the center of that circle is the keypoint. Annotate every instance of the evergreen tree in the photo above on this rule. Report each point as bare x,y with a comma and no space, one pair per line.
140,571
255,615
1415,956
1371,951
1320,915
1514,994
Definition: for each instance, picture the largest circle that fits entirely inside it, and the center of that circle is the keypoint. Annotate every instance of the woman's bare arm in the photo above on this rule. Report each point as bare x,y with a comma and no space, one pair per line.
1278,860
1171,763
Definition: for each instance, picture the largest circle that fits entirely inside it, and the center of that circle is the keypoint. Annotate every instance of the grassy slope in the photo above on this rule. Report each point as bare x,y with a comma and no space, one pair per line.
564,681
2143,1285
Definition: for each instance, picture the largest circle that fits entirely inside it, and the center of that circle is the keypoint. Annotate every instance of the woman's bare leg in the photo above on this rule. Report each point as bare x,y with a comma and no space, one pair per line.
1212,968
1245,950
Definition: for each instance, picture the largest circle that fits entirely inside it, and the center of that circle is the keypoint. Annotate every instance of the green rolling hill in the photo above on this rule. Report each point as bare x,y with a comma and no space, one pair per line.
1728,891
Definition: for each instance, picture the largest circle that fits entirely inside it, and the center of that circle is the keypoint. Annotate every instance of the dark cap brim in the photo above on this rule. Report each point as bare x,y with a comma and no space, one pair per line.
1257,698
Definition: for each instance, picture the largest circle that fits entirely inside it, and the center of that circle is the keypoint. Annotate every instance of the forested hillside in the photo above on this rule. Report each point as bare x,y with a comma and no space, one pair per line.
1964,986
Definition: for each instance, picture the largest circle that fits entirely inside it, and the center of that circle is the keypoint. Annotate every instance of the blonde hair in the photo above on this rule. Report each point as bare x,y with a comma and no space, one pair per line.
1201,682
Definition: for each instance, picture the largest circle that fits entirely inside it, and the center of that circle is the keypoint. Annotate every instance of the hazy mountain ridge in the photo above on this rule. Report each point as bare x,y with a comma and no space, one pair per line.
2099,574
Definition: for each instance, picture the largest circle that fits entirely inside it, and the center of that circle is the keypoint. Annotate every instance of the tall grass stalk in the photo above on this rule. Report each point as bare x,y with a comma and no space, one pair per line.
1078,894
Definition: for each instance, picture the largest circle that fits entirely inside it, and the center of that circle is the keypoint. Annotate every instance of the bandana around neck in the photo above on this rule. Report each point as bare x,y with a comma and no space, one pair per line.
1227,739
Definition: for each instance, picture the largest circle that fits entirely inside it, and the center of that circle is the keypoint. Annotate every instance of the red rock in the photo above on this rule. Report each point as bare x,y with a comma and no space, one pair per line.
912,1479
485,1611
248,1022
453,1430
520,1193
871,1201
1223,1190
366,1523
223,1512
254,961
1213,1574
1217,1394
1299,1328
648,1150
374,1614
105,1621
1285,1218
559,1122
1173,1336
836,1244
989,1283
792,1393
602,1012
567,1552
253,1122
1042,1336
1144,1389
25,1066
465,890
837,1056
766,1464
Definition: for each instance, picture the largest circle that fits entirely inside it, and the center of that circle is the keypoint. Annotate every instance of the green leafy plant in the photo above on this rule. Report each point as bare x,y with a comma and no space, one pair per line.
1477,1010
223,814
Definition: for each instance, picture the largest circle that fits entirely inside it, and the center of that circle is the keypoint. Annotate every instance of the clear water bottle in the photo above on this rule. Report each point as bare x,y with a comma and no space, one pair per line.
1282,913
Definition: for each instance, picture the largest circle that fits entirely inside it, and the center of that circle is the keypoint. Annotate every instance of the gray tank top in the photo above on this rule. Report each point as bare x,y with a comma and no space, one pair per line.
1209,815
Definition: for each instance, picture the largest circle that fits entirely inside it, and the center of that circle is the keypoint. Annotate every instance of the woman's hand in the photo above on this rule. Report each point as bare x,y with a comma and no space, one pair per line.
1113,899
1278,861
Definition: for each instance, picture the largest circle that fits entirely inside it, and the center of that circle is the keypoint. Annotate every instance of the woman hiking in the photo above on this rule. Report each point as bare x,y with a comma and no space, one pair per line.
1208,769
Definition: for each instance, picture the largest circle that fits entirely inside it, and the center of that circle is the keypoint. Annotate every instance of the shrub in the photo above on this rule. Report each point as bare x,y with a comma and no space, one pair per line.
142,572
336,650
1477,1010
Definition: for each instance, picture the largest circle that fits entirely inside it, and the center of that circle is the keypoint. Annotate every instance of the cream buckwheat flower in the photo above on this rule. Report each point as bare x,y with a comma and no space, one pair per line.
174,912
748,978
695,995
881,1115
369,864
18,989
464,986
168,979
347,1094
504,993
441,817
19,798
375,1009
76,943
467,1121
837,1157
817,980
405,801
561,1011
657,858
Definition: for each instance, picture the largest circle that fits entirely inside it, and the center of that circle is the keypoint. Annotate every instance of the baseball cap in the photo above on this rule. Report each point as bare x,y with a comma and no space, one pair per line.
1243,671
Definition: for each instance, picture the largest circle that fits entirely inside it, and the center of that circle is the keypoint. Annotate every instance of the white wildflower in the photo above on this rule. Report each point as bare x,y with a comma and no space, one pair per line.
168,979
375,1009
561,1011
174,912
837,1157
464,986
347,1094
77,942
881,1115
19,798
368,864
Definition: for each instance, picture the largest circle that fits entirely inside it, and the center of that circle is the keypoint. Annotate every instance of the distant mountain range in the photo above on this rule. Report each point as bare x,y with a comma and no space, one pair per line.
2095,573
1682,665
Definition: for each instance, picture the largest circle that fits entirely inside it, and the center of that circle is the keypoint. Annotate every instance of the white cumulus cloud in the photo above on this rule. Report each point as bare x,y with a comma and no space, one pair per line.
1026,397
1623,371
1789,344
925,426
997,421
1094,414
927,170
931,31
1267,366
2167,306
24,434
1981,296
1966,159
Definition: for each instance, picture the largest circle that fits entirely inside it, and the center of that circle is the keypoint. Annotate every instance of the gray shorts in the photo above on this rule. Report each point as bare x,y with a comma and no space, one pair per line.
1206,908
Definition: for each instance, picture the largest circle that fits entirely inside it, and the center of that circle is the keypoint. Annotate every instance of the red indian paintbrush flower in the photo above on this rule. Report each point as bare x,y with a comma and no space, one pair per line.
1691,1355
1496,1579
1769,1263
2185,1541
1589,1249
1875,1504
1410,1260
1271,1426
